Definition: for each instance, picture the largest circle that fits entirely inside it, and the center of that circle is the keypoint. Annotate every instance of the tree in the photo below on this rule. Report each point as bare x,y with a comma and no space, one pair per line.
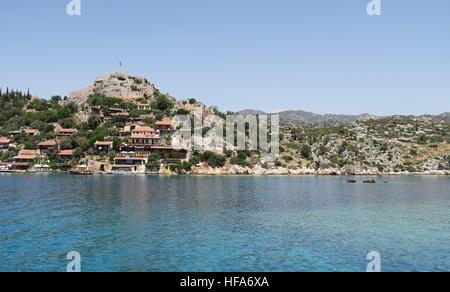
163,103
55,99
67,123
305,151
241,159
66,144
30,145
94,121
82,143
183,112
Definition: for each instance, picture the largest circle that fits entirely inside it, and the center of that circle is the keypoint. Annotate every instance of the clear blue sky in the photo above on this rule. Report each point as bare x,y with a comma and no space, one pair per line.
325,56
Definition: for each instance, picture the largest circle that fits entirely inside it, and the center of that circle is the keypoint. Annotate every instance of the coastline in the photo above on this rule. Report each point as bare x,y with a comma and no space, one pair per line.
224,174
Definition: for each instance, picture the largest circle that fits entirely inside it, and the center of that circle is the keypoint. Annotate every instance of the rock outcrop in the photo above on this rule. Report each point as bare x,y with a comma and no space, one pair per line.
118,85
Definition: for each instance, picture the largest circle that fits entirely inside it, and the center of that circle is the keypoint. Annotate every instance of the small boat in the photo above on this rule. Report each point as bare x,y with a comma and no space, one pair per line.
82,170
370,181
351,181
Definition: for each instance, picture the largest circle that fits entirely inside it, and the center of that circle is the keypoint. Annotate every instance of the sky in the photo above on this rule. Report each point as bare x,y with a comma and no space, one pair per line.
324,56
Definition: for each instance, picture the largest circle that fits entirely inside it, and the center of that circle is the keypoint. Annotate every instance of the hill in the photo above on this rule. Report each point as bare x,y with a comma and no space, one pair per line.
122,123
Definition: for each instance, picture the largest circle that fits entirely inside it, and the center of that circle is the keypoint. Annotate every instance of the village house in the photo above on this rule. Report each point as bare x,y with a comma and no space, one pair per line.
144,106
124,114
103,147
31,132
114,110
107,118
66,132
26,157
4,143
48,147
66,155
129,164
143,130
144,140
13,166
141,139
124,133
170,154
28,132
14,133
165,126
141,118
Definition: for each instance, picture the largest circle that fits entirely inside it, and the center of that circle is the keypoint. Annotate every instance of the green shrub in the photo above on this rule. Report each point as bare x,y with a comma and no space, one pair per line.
163,102
305,151
287,158
213,159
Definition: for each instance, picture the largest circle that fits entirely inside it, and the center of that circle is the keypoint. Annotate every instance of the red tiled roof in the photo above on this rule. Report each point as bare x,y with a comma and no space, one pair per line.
24,157
164,122
145,137
4,140
143,129
103,143
66,153
28,152
48,143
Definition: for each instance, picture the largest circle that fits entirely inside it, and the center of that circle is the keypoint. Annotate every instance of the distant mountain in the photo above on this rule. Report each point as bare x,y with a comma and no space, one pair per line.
442,117
300,116
304,117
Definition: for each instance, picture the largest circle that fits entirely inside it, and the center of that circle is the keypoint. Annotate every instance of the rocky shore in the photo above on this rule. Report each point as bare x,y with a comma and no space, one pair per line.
258,171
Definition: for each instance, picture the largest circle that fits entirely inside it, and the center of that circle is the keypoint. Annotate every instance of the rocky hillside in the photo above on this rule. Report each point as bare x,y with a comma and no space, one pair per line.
117,85
387,145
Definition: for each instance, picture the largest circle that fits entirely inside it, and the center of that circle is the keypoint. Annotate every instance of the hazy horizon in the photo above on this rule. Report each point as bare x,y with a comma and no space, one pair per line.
317,56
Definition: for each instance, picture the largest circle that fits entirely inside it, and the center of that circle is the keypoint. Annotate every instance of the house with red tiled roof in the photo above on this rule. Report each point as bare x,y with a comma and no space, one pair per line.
165,126
4,143
31,132
143,136
66,154
26,156
103,147
144,140
48,147
66,132
143,130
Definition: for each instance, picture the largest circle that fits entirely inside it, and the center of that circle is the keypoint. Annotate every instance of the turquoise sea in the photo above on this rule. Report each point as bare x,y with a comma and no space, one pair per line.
151,223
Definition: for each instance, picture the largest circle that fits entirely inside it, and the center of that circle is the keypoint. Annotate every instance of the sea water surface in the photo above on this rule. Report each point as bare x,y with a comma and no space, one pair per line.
151,223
